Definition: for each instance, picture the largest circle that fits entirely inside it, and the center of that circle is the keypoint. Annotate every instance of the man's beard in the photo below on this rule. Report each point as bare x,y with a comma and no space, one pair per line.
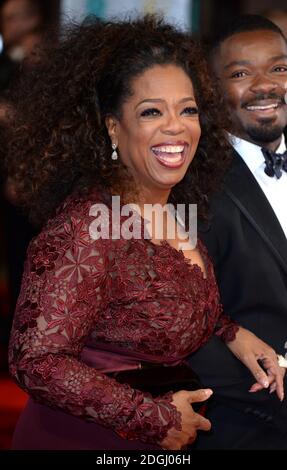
264,133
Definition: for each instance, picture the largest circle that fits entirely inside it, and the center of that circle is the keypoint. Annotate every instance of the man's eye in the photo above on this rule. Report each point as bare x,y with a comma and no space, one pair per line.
238,74
150,112
190,111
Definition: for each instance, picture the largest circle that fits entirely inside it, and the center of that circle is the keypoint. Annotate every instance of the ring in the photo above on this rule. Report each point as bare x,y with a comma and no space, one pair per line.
282,362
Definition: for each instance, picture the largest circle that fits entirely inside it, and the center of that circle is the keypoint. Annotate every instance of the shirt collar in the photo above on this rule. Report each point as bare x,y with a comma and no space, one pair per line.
251,153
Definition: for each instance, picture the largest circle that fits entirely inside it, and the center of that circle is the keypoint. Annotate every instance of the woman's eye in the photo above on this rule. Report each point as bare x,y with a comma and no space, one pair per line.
190,111
280,68
150,112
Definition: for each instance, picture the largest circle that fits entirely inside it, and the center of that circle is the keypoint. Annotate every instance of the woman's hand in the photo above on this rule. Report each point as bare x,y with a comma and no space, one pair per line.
249,349
191,422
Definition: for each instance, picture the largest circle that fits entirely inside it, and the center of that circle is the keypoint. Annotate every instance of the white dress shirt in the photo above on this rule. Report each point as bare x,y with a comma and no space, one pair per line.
274,189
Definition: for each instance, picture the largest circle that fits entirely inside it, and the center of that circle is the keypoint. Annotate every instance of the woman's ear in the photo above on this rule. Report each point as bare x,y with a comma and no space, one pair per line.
112,128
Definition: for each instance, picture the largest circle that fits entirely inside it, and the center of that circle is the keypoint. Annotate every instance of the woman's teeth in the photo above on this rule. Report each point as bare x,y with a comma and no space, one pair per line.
168,149
169,154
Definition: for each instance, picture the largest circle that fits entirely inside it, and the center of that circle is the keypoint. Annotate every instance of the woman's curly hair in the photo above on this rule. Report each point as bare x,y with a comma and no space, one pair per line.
59,142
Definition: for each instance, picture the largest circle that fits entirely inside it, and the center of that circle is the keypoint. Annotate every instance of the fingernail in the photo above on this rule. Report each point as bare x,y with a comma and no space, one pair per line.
208,392
265,383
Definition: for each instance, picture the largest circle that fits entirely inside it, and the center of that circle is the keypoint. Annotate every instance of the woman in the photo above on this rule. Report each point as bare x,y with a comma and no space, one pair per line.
120,109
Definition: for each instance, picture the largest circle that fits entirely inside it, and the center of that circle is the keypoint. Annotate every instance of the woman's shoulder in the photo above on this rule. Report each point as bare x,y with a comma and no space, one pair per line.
73,219
77,206
81,202
65,248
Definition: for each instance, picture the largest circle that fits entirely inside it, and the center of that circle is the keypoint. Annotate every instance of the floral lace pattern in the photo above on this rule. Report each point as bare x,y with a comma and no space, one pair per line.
133,294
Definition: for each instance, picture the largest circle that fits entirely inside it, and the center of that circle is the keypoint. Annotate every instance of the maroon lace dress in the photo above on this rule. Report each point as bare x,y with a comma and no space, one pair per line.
90,306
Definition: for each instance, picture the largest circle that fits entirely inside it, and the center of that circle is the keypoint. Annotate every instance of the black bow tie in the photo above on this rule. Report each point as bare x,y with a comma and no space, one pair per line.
275,162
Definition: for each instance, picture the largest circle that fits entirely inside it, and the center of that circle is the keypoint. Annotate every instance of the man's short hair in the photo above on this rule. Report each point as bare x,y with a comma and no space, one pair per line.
242,24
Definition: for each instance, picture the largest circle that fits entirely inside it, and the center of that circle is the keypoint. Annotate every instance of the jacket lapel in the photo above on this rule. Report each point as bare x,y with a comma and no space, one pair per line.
243,189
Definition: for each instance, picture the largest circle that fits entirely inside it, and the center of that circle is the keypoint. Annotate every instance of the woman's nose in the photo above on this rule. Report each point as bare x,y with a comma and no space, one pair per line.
173,124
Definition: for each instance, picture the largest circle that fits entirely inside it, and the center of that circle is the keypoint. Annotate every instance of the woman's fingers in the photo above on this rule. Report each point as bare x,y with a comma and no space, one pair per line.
191,421
257,372
253,352
196,396
199,395
256,387
277,383
275,376
275,373
203,423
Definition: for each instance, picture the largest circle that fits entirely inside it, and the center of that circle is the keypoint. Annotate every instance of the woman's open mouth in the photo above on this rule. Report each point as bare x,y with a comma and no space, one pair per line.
170,155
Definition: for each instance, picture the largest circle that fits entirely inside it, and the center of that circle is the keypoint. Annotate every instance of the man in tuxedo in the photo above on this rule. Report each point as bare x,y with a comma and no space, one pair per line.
246,234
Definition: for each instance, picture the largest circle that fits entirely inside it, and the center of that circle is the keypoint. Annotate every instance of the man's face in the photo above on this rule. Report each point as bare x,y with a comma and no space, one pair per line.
18,18
252,69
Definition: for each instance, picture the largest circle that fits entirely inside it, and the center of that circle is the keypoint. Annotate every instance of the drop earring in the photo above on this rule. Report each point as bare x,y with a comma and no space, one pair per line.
115,153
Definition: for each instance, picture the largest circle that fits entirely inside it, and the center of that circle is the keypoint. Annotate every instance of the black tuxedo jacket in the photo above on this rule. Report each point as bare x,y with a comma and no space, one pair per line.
249,251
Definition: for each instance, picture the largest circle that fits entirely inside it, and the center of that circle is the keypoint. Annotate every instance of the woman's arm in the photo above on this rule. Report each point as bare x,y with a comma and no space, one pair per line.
249,349
65,286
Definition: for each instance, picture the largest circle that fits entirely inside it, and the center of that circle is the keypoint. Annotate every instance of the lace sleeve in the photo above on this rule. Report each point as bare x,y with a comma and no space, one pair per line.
65,284
225,327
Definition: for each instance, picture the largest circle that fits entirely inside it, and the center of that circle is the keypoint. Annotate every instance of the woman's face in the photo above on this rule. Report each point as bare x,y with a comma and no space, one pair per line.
158,132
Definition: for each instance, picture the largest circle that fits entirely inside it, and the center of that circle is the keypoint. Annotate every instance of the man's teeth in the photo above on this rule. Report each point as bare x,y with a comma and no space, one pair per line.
262,108
168,149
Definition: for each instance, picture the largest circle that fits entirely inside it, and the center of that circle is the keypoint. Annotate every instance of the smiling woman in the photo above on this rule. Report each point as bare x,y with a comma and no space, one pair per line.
98,319
159,130
98,65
